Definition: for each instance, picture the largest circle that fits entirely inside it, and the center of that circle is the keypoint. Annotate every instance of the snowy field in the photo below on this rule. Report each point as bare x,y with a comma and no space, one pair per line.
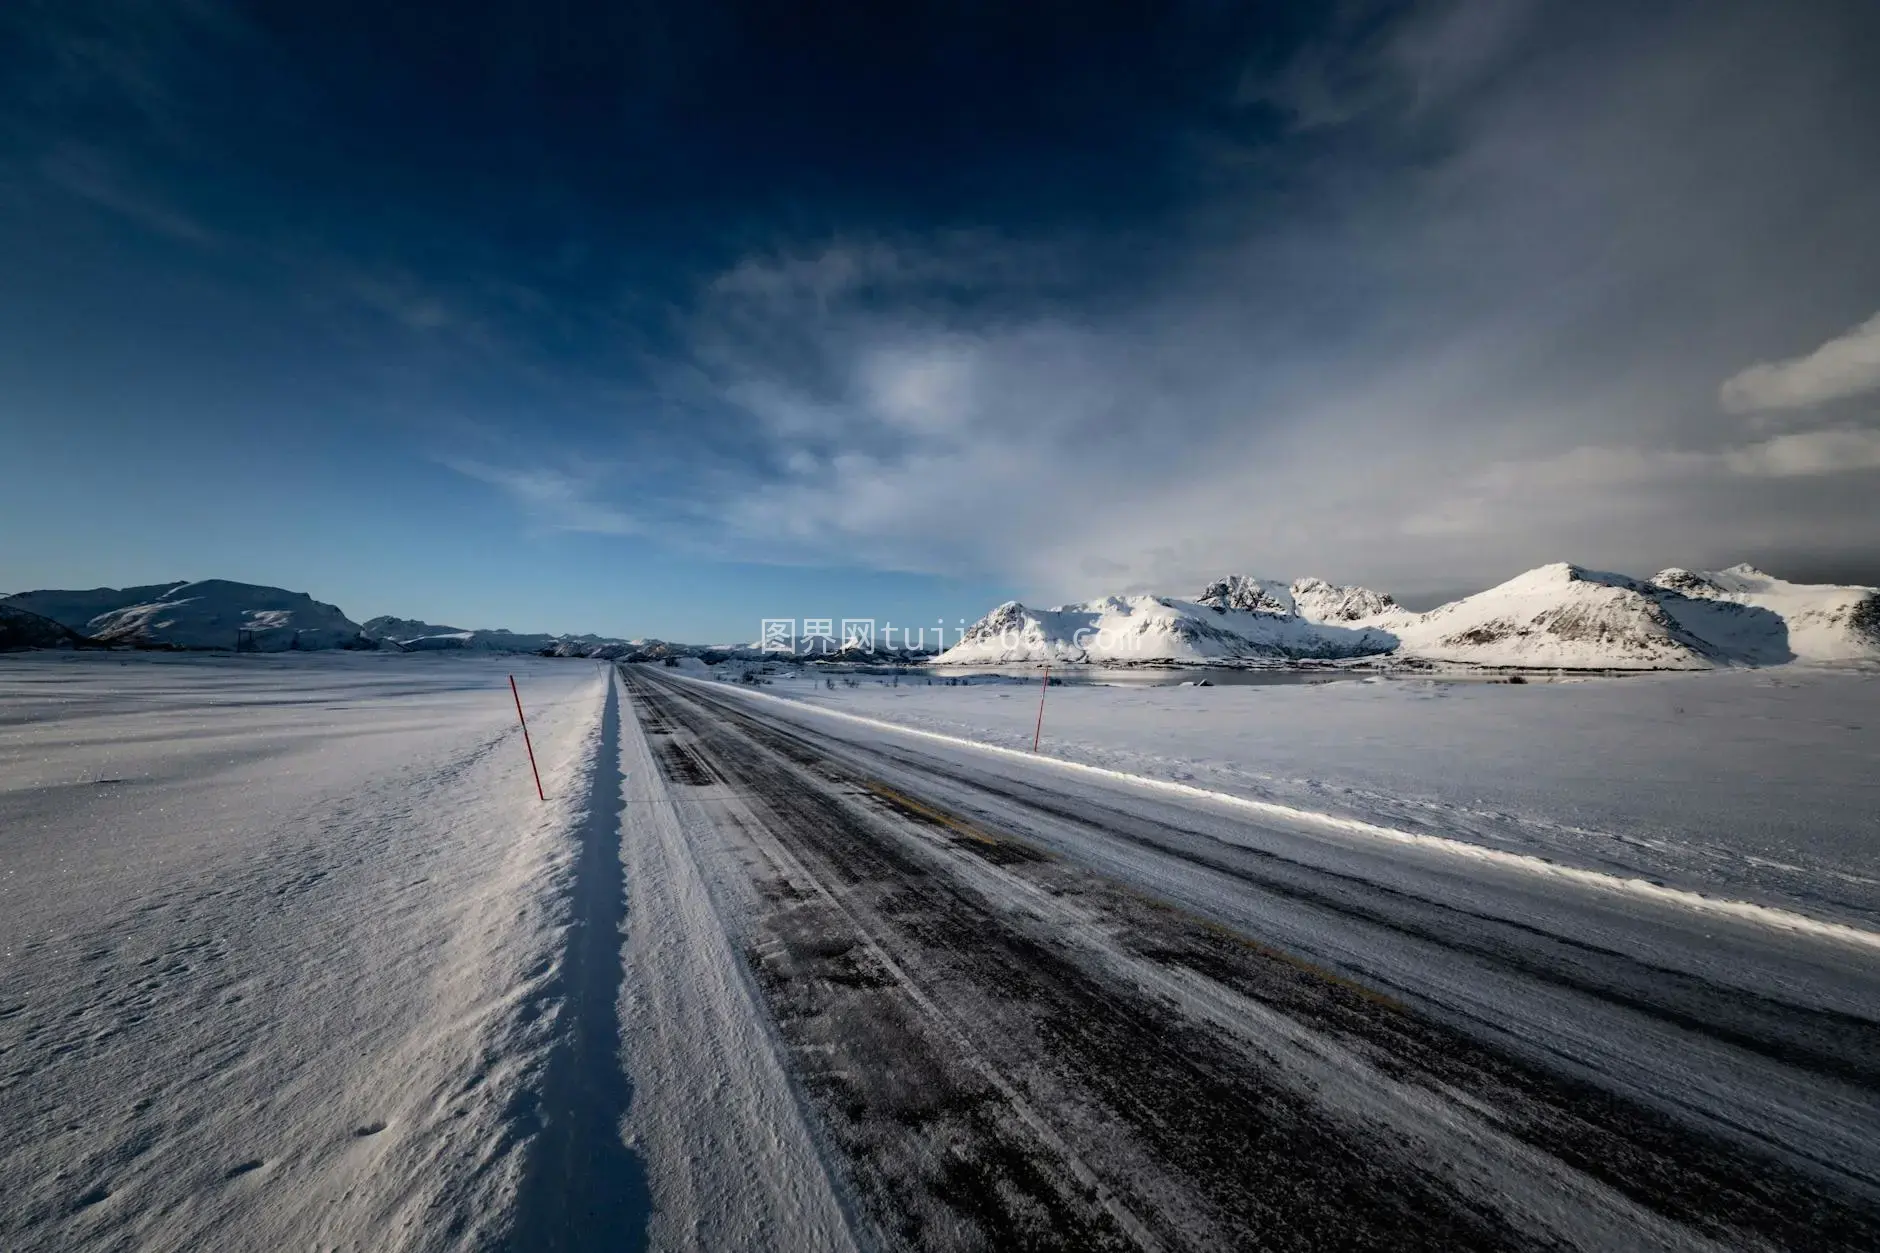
279,934
1759,784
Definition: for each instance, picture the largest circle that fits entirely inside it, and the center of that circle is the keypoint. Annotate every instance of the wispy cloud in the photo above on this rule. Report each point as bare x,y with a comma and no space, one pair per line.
93,177
1848,450
1847,365
1362,68
551,498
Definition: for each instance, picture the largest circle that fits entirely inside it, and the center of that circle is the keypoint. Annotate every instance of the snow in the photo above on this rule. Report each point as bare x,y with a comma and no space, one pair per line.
1450,870
1147,629
731,1162
1746,784
1558,616
281,936
295,958
1820,621
1247,594
1325,602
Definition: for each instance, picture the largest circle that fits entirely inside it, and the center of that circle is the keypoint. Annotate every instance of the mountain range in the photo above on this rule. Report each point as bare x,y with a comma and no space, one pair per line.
1555,616
222,614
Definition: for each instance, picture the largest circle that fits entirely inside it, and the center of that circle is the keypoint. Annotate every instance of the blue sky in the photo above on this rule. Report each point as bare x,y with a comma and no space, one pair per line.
659,319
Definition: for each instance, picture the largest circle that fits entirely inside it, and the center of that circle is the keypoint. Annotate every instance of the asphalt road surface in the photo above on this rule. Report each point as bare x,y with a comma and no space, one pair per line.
1031,1008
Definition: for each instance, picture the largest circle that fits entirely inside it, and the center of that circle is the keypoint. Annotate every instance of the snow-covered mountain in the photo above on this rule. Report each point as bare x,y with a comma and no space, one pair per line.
1327,602
1556,616
1824,621
1241,620
75,610
398,630
413,635
214,613
1561,615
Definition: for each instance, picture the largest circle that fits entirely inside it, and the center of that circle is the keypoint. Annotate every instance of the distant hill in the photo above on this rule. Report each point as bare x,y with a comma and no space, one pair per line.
77,609
220,614
22,630
413,635
211,614
386,627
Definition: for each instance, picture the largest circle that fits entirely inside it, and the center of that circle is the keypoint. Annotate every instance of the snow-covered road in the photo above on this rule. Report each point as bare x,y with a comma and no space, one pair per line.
1029,1004
280,938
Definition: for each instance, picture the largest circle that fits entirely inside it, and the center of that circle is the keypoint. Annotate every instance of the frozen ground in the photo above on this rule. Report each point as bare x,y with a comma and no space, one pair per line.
1763,784
281,941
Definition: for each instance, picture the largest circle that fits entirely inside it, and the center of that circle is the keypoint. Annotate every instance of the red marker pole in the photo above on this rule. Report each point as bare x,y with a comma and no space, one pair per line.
1042,689
525,738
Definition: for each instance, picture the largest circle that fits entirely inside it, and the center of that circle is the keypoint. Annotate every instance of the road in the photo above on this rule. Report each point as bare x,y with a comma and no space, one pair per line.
1026,1007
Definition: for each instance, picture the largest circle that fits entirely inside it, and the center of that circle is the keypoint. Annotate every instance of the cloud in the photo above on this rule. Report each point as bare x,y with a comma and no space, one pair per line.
1363,69
1492,342
1847,365
551,498
1844,451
